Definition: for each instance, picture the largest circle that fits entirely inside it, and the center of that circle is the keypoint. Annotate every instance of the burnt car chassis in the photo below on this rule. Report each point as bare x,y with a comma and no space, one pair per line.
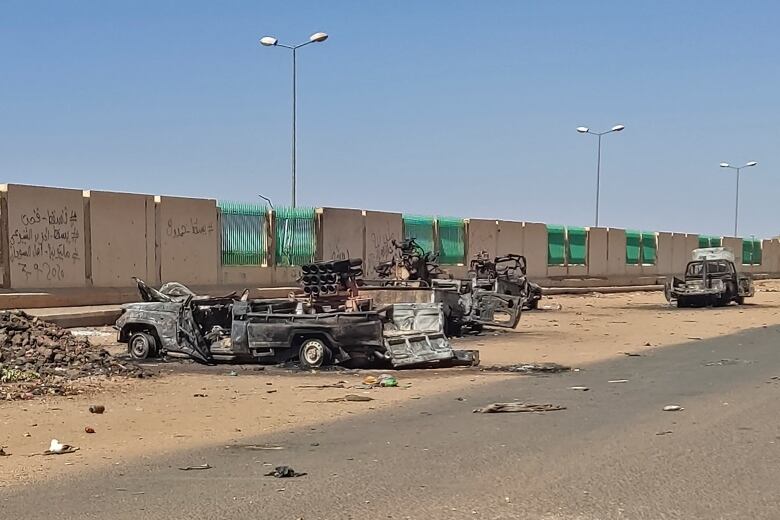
230,328
711,279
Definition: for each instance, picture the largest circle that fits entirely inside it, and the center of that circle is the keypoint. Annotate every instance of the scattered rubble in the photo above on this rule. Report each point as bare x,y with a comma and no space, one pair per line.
529,368
518,407
193,468
97,408
284,472
673,408
41,358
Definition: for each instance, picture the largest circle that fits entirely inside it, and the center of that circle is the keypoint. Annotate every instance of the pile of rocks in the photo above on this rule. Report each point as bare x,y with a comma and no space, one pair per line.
41,358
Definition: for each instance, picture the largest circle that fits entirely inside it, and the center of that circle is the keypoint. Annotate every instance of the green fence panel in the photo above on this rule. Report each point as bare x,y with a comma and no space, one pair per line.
751,252
633,247
576,245
243,233
420,228
747,252
295,236
710,241
649,248
556,245
452,241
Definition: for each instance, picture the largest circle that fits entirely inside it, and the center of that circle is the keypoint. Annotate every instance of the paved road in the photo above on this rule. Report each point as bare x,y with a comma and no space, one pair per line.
601,458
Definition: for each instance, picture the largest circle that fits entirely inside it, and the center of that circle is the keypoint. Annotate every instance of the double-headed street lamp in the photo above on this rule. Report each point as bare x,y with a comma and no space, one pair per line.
736,205
270,41
586,130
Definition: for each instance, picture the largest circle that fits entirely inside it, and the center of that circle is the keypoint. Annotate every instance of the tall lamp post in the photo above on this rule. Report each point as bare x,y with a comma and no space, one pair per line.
586,130
736,204
270,41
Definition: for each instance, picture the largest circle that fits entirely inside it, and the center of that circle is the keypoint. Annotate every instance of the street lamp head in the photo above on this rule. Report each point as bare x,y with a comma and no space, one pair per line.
724,165
751,163
582,129
617,128
318,37
268,41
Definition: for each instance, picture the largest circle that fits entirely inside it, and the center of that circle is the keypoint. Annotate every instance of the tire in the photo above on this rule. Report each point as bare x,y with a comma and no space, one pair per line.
740,300
142,345
313,353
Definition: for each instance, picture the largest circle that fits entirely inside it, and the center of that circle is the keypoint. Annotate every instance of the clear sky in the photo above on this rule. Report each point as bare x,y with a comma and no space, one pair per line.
453,108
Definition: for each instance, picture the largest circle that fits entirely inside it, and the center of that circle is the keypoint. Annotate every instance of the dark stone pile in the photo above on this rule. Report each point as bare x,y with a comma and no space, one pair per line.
41,358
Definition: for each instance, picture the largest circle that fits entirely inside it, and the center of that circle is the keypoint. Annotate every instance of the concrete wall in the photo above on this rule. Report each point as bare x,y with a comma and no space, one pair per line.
381,229
735,244
482,236
535,248
597,252
122,238
188,240
45,241
342,234
510,238
616,251
665,254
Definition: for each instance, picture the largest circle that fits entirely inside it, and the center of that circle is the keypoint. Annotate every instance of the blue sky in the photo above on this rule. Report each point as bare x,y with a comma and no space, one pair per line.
453,108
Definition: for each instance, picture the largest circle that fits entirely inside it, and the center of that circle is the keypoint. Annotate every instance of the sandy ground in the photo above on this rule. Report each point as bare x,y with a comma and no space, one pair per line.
184,410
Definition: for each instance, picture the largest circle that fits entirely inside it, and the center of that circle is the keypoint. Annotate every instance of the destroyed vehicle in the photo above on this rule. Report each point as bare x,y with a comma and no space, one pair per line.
711,278
469,308
505,275
210,329
410,263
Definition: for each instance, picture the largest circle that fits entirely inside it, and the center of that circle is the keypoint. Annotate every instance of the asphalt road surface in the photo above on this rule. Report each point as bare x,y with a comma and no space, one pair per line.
603,457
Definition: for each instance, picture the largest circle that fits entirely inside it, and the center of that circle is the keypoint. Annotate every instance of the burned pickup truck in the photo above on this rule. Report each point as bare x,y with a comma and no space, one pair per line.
711,278
506,274
233,328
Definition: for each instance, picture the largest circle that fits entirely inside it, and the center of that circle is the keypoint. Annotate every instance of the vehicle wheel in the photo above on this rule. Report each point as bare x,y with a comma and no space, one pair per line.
533,304
142,345
740,300
313,353
683,303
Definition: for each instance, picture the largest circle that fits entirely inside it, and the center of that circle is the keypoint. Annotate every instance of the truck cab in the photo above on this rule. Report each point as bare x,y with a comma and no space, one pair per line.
711,279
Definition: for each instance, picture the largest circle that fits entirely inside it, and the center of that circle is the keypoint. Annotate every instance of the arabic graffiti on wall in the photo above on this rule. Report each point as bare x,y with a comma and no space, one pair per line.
191,226
45,245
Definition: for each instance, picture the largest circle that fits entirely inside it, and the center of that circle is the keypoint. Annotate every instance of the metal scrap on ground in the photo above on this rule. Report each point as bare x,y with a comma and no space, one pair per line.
529,368
284,472
191,468
518,407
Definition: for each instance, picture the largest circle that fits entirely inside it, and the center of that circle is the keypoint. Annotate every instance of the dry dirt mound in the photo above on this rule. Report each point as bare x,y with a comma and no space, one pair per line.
40,358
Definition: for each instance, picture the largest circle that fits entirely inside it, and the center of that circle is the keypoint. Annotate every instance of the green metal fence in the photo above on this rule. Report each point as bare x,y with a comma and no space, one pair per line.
576,245
633,247
710,241
452,242
751,252
649,247
295,236
556,245
243,233
421,229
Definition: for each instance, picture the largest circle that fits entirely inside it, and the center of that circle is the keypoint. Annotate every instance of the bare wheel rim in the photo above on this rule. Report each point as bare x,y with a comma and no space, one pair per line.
313,352
140,346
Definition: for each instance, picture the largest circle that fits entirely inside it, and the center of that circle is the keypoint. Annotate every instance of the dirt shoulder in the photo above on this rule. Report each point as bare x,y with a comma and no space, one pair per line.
181,410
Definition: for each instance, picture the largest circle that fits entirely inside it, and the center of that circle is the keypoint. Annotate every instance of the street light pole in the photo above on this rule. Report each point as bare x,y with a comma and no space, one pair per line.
270,41
586,130
736,202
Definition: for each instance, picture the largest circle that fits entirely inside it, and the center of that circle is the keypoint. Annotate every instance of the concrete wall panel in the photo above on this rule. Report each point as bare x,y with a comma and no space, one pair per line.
770,256
735,244
46,243
535,248
616,252
381,229
483,236
665,253
597,252
189,240
121,242
342,233
680,254
510,238
691,243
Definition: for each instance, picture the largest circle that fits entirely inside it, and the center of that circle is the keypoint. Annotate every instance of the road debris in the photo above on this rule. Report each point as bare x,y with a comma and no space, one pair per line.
580,388
254,447
340,384
194,468
3,453
673,408
89,429
724,362
370,380
666,432
529,368
41,358
284,472
518,407
618,381
200,395
632,354
97,408
57,448
386,380
695,338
